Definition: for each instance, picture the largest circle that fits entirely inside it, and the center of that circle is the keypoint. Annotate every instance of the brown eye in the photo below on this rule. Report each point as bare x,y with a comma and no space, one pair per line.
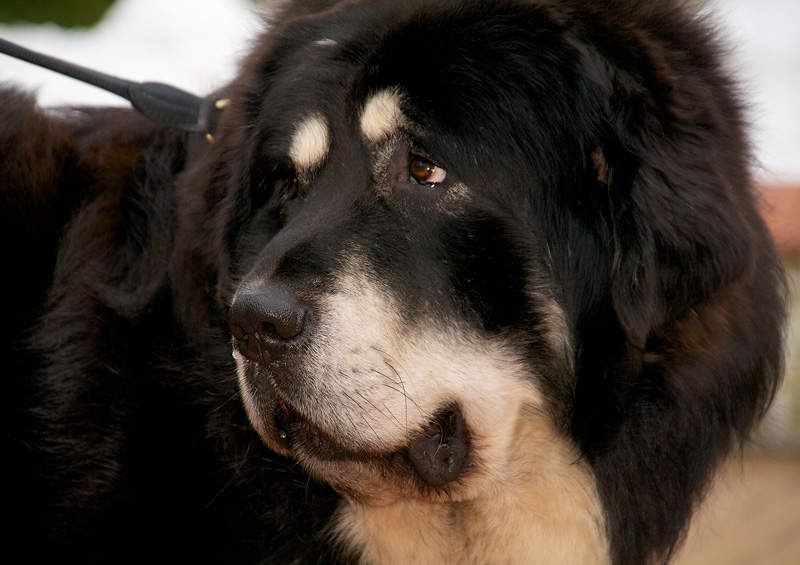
287,188
422,171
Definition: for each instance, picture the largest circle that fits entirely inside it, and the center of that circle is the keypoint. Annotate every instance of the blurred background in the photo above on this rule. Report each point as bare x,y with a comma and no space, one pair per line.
752,515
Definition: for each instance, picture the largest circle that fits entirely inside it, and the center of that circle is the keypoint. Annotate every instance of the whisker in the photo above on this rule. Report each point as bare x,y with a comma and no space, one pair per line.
402,384
386,408
405,395
360,410
391,362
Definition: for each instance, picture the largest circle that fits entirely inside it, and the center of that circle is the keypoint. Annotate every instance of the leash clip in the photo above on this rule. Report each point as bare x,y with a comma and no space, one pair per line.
162,103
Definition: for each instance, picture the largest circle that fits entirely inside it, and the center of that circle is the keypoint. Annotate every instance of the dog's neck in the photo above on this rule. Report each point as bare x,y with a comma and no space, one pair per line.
545,510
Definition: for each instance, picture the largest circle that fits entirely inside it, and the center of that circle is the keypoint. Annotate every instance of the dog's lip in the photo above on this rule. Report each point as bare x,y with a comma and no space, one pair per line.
283,417
441,452
295,432
437,455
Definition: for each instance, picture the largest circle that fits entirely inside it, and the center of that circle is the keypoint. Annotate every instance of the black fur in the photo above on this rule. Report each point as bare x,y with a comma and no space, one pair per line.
609,151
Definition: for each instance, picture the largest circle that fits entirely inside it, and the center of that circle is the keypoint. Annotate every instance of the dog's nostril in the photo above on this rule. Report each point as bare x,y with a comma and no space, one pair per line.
285,326
265,321
279,331
269,330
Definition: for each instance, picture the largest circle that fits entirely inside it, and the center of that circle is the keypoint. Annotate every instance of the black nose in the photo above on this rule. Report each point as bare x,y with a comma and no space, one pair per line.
266,321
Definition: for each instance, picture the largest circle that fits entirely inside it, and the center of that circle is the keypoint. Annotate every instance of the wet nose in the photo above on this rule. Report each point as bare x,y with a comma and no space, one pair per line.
266,321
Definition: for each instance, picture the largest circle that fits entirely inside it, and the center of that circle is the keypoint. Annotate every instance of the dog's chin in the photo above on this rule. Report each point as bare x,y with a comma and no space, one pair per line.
428,465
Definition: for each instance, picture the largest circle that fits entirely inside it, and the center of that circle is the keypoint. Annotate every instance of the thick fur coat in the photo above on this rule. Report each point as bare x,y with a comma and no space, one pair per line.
456,282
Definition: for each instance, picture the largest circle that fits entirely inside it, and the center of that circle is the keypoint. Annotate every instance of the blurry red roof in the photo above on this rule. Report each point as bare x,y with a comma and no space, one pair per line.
781,208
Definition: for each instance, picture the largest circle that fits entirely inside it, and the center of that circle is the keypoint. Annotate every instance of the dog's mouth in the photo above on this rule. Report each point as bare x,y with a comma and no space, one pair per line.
438,455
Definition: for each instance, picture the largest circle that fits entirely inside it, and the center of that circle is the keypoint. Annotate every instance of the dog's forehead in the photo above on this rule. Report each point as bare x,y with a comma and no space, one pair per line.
309,133
379,117
326,85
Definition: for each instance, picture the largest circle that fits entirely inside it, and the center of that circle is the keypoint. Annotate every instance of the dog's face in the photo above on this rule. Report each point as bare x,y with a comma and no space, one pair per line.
395,311
496,251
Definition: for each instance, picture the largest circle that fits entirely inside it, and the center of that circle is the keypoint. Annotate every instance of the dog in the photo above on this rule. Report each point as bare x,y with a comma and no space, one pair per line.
453,282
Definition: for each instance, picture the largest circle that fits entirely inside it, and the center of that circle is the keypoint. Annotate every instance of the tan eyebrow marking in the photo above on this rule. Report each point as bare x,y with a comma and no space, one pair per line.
310,143
382,115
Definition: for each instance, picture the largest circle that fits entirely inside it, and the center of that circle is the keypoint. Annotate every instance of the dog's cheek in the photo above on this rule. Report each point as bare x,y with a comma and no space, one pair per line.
387,379
486,267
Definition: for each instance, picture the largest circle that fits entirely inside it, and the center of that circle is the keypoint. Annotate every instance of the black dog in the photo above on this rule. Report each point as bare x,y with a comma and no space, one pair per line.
487,279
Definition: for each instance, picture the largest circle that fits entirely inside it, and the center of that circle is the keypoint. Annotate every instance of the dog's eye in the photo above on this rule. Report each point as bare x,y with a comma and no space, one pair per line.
422,171
287,188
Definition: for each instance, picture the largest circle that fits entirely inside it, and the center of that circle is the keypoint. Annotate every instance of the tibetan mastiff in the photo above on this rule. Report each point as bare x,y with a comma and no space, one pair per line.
453,282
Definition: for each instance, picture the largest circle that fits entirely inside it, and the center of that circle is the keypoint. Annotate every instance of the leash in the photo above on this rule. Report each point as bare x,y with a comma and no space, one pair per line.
157,101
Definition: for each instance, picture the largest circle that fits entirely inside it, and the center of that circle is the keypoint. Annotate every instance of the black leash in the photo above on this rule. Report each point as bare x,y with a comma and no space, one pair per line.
160,102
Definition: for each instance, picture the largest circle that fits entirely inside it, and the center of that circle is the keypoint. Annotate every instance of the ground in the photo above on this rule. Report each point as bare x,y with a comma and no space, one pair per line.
752,516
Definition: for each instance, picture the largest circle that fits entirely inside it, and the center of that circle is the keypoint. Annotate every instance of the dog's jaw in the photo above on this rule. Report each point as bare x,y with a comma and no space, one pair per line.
435,457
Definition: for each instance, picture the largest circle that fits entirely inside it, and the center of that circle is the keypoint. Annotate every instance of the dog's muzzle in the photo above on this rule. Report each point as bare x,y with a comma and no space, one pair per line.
270,326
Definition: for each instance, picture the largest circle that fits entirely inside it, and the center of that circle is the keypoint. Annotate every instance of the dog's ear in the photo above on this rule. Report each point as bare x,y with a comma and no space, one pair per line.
689,352
671,164
284,10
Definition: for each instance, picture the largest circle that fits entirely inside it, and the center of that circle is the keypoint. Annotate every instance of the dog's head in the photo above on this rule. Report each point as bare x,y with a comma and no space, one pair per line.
395,309
448,236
